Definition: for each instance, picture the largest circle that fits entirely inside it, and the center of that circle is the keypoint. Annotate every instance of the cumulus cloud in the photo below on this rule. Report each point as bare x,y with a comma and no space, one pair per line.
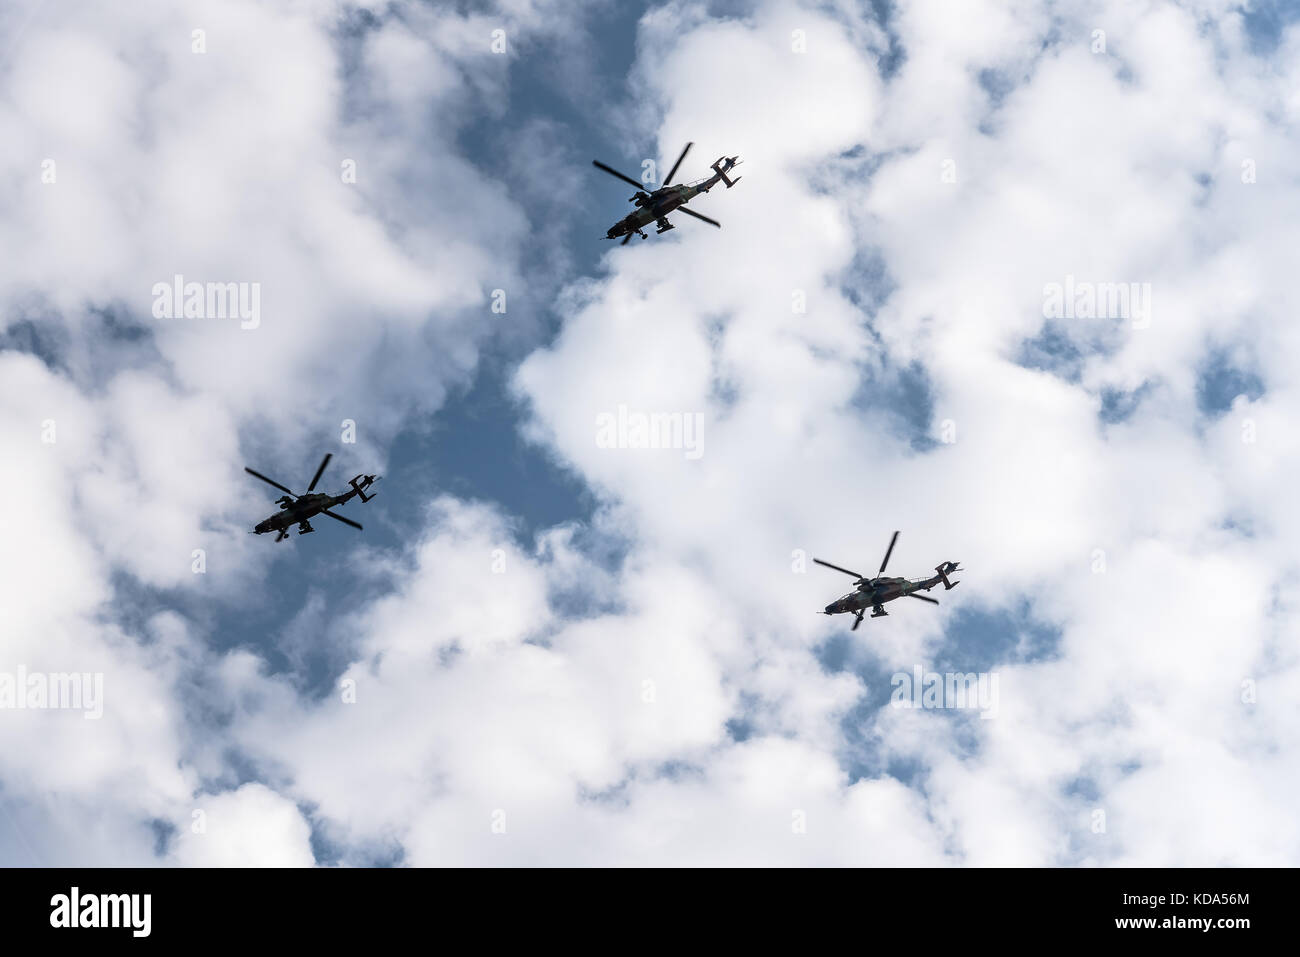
249,827
1004,155
217,142
868,346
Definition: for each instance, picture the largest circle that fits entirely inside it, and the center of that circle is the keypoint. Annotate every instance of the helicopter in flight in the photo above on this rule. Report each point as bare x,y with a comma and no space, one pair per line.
296,509
874,592
654,207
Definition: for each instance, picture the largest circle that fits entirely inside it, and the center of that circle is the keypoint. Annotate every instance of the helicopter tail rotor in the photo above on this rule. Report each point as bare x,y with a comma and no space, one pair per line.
944,570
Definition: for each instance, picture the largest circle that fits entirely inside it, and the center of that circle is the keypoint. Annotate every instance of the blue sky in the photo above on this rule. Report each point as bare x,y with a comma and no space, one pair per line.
615,650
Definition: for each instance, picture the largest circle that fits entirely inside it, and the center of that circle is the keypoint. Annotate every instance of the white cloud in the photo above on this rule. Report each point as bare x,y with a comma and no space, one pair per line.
685,716
221,165
249,827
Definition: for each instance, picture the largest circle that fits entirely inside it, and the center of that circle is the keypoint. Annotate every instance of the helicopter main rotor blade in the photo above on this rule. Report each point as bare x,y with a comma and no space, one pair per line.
837,568
627,239
691,212
888,551
856,621
270,481
932,601
320,471
348,521
613,172
673,172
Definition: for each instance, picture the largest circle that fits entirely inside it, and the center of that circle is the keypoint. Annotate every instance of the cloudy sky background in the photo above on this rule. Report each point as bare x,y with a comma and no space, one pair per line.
569,654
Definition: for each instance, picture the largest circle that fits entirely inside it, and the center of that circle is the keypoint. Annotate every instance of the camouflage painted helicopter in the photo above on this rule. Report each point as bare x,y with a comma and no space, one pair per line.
874,592
297,509
654,207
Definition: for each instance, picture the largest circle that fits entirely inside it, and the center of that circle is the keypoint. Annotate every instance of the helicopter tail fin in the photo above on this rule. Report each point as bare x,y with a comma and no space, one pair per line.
725,164
362,482
944,571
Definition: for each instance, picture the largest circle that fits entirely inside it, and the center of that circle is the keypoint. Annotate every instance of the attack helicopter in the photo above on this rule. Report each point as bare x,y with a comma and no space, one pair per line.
296,509
654,207
874,592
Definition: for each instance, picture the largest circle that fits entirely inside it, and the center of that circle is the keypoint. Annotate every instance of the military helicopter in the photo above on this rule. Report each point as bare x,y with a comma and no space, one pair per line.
297,509
874,592
655,207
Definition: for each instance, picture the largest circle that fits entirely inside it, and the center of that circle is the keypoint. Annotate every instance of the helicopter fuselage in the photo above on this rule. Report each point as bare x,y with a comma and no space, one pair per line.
876,592
655,206
294,511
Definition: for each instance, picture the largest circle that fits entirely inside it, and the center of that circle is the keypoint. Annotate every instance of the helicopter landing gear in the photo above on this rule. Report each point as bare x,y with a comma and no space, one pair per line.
304,528
664,225
878,612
